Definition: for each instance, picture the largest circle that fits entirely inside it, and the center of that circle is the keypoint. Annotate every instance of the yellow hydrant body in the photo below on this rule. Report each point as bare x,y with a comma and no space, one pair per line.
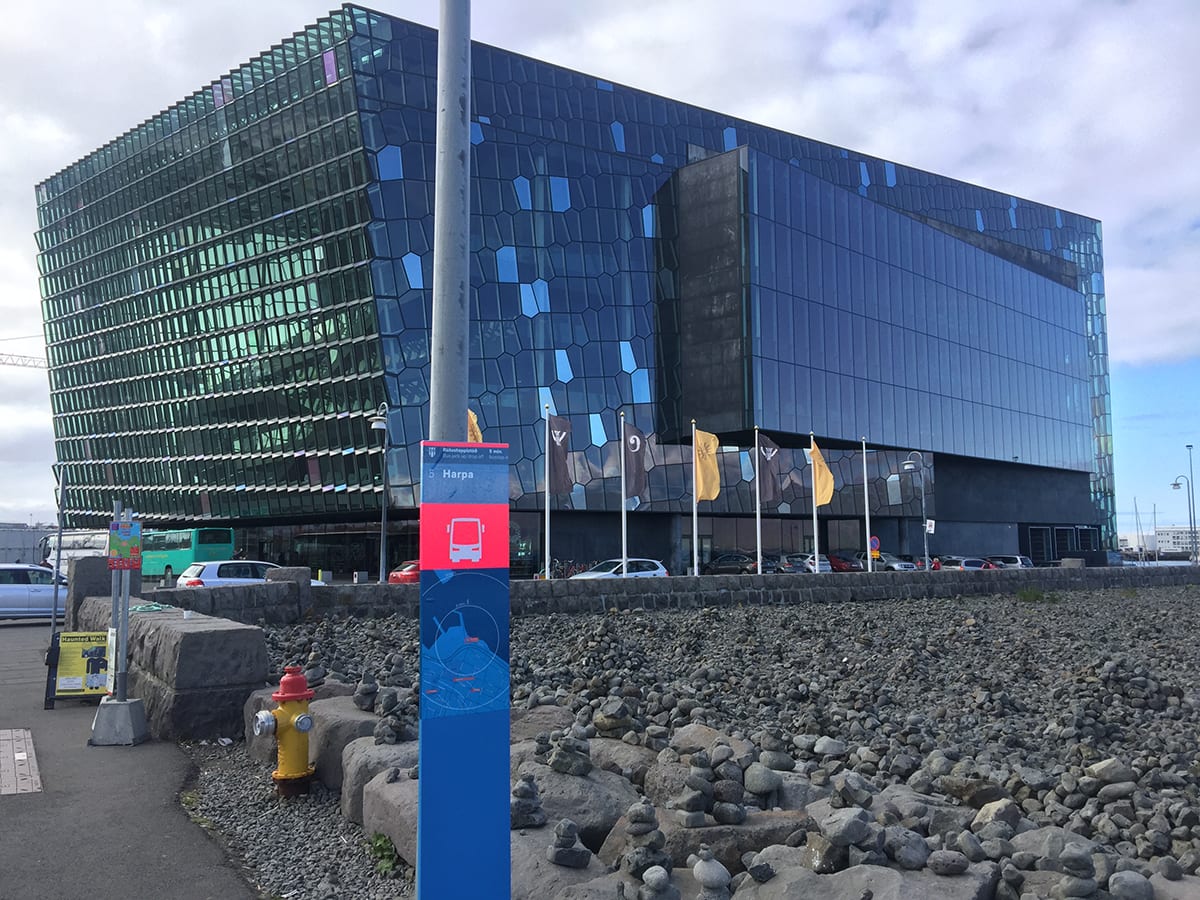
290,722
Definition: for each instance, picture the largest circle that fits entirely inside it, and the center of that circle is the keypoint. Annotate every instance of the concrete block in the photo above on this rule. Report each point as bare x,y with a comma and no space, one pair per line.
391,809
336,722
362,760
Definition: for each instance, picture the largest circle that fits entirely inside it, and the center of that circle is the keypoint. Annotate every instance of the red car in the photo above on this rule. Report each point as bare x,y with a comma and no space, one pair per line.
406,573
841,562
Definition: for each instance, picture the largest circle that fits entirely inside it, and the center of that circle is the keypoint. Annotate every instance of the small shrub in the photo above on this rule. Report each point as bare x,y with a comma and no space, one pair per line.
1031,595
383,851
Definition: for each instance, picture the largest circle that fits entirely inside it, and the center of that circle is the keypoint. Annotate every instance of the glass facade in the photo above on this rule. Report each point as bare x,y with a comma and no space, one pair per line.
231,288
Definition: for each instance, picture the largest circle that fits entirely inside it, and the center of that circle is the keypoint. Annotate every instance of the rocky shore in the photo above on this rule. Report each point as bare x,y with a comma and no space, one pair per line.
983,738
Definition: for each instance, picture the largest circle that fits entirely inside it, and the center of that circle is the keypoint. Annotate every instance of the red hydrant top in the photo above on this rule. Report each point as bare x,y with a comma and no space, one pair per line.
292,686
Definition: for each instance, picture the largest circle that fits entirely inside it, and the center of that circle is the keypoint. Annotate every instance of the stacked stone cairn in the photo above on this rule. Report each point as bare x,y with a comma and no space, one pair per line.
697,797
729,791
392,698
656,885
568,850
571,754
762,778
614,720
365,691
543,747
712,876
644,840
525,804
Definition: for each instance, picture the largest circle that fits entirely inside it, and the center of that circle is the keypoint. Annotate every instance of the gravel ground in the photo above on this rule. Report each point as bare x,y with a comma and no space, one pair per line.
1045,682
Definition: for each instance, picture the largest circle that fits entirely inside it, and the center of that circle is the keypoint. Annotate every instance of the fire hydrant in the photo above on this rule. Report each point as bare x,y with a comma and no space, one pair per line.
290,722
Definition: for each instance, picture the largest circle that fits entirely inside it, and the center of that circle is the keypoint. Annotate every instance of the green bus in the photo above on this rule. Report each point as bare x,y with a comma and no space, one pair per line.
167,553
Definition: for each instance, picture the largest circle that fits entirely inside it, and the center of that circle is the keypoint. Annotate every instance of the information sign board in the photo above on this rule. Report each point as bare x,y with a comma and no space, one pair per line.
465,719
77,664
125,545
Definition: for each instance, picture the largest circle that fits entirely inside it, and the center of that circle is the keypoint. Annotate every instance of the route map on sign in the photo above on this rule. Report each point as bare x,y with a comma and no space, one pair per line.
464,667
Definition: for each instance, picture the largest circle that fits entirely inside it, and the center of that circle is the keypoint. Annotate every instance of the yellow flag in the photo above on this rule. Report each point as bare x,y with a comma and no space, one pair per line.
474,435
822,477
708,477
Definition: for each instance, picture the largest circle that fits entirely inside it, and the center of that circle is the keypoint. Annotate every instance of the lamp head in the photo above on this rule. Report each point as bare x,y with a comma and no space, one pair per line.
1176,485
379,420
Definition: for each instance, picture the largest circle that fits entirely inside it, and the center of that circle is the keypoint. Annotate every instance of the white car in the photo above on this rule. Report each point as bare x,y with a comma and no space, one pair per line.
1011,562
638,568
27,591
224,572
804,562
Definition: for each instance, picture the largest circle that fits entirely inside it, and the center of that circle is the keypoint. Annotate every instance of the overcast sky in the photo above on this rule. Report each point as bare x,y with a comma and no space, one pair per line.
1089,106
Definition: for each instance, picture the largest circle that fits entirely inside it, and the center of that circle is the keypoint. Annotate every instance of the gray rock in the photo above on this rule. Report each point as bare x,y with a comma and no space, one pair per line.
844,827
761,780
947,862
906,847
1110,771
1130,886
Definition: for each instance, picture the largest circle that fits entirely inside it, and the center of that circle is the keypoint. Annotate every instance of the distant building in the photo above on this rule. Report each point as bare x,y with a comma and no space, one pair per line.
233,286
19,543
1174,538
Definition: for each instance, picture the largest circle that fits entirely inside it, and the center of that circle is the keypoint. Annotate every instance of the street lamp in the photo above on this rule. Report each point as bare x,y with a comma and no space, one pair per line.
1191,515
911,465
1192,504
379,422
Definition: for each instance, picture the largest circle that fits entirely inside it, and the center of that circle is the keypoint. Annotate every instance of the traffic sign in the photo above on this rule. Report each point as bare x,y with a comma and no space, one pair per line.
874,543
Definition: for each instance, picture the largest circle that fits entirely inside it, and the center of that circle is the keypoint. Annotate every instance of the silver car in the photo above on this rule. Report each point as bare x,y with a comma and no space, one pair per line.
887,562
27,591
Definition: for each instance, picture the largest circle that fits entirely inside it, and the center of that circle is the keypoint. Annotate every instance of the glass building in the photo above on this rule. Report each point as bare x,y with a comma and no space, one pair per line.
231,288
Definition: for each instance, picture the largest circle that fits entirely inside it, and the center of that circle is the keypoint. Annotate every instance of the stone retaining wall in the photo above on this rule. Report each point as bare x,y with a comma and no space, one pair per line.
193,673
282,603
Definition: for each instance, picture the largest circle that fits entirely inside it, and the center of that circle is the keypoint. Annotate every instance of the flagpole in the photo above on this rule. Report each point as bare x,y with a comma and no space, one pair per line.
547,544
812,441
867,506
757,499
695,516
624,533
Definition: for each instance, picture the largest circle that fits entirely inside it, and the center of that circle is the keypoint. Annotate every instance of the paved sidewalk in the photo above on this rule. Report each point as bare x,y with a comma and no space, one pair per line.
106,824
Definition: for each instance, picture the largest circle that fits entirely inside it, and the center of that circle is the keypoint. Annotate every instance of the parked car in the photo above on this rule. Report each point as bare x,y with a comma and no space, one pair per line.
731,564
844,562
804,562
27,591
408,572
1011,562
966,563
887,562
777,564
225,572
637,568
918,561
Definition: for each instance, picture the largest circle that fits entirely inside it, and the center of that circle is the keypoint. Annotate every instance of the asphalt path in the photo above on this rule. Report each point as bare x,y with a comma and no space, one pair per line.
107,824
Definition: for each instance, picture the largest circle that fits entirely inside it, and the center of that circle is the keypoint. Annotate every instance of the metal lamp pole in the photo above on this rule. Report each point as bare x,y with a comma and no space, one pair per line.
1191,514
911,465
1192,505
379,422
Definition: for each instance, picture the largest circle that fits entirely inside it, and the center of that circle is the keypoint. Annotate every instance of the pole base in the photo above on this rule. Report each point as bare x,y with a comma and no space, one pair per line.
119,723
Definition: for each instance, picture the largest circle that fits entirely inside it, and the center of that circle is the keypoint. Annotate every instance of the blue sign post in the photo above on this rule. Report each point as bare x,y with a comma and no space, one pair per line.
463,837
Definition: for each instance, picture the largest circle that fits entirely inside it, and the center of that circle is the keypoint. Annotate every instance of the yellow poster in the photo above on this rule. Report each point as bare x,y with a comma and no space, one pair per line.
82,664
